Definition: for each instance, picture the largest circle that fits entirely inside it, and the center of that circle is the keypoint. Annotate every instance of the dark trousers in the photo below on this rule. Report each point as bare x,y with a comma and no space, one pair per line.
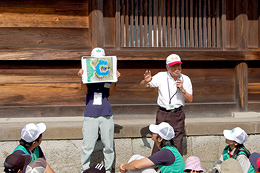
177,121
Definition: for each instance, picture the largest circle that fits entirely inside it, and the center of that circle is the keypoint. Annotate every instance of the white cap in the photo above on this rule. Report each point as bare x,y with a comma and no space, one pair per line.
173,59
237,134
163,129
96,52
32,131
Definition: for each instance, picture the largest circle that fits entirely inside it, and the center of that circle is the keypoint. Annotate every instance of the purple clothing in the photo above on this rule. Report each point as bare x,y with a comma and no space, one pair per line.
97,110
162,157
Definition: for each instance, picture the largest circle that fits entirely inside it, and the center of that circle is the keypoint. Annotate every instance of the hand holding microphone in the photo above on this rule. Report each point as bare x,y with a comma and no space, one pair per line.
178,78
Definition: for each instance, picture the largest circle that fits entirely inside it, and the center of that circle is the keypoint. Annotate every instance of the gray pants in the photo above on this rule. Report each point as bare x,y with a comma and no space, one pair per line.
90,129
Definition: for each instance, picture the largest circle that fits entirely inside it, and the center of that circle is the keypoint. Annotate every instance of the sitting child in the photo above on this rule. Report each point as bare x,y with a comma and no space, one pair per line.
193,165
31,138
235,149
15,163
255,161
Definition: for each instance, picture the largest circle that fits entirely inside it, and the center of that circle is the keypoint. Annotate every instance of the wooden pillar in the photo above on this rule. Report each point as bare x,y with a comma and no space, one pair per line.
241,24
241,86
96,23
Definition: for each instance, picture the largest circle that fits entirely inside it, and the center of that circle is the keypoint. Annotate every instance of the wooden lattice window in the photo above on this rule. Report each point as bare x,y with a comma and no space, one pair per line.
170,23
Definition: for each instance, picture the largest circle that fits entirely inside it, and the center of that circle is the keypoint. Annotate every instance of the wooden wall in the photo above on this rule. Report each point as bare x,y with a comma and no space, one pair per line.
41,45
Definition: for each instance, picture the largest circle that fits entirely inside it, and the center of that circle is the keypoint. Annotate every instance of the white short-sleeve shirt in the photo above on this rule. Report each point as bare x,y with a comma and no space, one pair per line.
167,89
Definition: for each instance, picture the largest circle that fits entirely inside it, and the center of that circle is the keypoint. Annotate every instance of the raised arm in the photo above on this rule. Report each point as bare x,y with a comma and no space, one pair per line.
147,79
136,165
84,88
113,85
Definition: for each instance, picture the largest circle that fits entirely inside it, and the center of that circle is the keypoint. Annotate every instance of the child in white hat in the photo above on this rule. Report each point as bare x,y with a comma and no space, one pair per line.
235,149
31,138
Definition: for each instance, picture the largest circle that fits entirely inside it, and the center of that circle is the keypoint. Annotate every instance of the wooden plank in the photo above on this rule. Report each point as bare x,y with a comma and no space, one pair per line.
254,92
230,25
123,111
178,23
44,13
150,23
196,34
119,27
155,25
253,86
191,24
164,22
213,26
168,23
241,86
145,23
254,107
241,31
127,23
136,23
9,19
254,75
210,110
51,87
109,24
42,111
141,24
182,24
129,54
40,94
187,24
210,90
173,24
122,25
200,23
221,32
253,32
131,23
96,23
210,28
67,4
36,76
204,23
252,55
51,38
160,24
258,26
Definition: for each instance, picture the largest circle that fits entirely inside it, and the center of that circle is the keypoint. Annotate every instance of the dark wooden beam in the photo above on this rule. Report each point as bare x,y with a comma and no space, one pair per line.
127,54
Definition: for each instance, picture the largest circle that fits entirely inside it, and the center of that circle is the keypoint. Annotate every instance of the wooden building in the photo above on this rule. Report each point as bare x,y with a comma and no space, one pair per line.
42,42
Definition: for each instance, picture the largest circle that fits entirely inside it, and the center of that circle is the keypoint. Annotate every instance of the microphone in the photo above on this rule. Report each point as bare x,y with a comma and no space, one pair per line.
178,77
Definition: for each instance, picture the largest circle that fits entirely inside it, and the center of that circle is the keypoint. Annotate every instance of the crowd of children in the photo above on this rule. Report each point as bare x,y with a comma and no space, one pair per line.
28,156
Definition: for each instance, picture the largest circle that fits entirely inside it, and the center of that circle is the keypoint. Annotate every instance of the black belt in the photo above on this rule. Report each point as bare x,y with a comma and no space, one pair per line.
171,110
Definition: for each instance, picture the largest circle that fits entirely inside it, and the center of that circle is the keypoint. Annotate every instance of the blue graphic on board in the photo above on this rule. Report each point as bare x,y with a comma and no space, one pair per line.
102,68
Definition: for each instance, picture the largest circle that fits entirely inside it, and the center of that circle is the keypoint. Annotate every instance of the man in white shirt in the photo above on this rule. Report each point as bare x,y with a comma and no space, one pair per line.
174,89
